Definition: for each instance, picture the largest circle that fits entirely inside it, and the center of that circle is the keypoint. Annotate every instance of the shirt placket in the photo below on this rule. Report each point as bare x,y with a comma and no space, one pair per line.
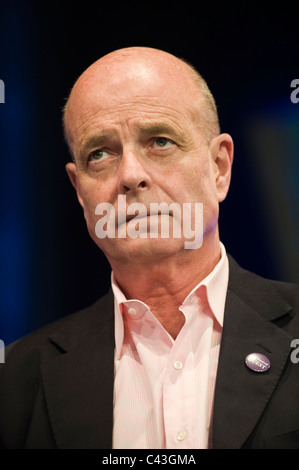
179,395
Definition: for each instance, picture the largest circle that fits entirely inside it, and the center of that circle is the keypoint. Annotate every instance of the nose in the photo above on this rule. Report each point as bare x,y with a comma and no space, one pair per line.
132,173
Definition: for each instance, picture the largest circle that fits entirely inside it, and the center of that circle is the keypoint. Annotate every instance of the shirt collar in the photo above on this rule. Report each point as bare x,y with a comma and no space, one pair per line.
216,287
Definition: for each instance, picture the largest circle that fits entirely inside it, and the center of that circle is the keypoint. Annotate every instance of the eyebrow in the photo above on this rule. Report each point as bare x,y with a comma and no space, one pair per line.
93,142
150,128
157,128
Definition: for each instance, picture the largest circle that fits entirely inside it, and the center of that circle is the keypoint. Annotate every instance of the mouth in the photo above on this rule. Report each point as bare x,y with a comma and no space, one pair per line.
148,214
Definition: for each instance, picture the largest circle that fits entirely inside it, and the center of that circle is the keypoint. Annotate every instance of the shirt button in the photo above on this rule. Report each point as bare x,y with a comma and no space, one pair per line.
177,365
132,311
181,435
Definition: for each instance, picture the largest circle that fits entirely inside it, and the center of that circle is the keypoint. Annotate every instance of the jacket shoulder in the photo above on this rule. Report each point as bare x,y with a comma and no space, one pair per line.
20,374
39,342
269,297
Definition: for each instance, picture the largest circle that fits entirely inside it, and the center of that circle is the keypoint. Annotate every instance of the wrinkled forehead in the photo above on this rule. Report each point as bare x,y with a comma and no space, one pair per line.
110,83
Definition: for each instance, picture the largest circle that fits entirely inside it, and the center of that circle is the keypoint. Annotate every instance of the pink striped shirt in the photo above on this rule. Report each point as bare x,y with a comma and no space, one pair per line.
164,388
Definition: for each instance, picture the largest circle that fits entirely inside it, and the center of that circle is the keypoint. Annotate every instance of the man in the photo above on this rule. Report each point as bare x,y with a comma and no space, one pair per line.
187,350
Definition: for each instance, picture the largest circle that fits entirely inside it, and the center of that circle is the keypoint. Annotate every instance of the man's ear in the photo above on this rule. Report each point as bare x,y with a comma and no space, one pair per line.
222,151
71,170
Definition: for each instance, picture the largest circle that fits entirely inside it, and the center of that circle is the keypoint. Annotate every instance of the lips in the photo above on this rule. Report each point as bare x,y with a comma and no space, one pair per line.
129,217
148,214
123,213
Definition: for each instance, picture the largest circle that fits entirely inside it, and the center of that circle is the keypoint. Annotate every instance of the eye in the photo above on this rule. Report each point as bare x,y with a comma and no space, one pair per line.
162,142
98,155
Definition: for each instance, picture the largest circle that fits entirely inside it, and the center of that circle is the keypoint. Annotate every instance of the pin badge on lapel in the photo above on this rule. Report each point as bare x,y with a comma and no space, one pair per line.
257,362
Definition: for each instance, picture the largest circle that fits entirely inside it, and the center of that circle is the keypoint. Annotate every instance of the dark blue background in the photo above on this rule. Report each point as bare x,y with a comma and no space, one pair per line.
248,55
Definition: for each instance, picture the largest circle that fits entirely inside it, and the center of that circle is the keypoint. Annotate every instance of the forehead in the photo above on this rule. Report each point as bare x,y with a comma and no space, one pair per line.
139,114
111,92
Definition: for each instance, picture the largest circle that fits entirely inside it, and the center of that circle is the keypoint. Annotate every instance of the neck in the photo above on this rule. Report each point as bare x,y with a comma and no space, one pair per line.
163,285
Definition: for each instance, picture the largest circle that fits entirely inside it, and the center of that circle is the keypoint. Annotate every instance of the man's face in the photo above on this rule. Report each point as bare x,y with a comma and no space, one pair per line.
137,132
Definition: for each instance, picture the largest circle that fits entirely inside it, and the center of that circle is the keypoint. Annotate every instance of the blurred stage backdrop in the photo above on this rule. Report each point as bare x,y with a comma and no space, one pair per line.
248,54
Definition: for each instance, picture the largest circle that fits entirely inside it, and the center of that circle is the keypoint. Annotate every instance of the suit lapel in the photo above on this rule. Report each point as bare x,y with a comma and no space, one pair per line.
241,395
78,382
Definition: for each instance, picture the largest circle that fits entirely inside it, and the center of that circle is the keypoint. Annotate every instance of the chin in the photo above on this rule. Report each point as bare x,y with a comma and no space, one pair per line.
138,249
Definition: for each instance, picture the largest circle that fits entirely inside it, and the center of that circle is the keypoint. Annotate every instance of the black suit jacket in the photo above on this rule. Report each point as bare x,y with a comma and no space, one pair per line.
56,387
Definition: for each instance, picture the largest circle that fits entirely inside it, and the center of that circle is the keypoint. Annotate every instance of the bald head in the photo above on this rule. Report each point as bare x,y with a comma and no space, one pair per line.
138,72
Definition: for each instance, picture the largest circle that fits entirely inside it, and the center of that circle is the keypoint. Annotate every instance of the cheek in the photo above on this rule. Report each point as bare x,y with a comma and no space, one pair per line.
198,183
91,197
94,191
